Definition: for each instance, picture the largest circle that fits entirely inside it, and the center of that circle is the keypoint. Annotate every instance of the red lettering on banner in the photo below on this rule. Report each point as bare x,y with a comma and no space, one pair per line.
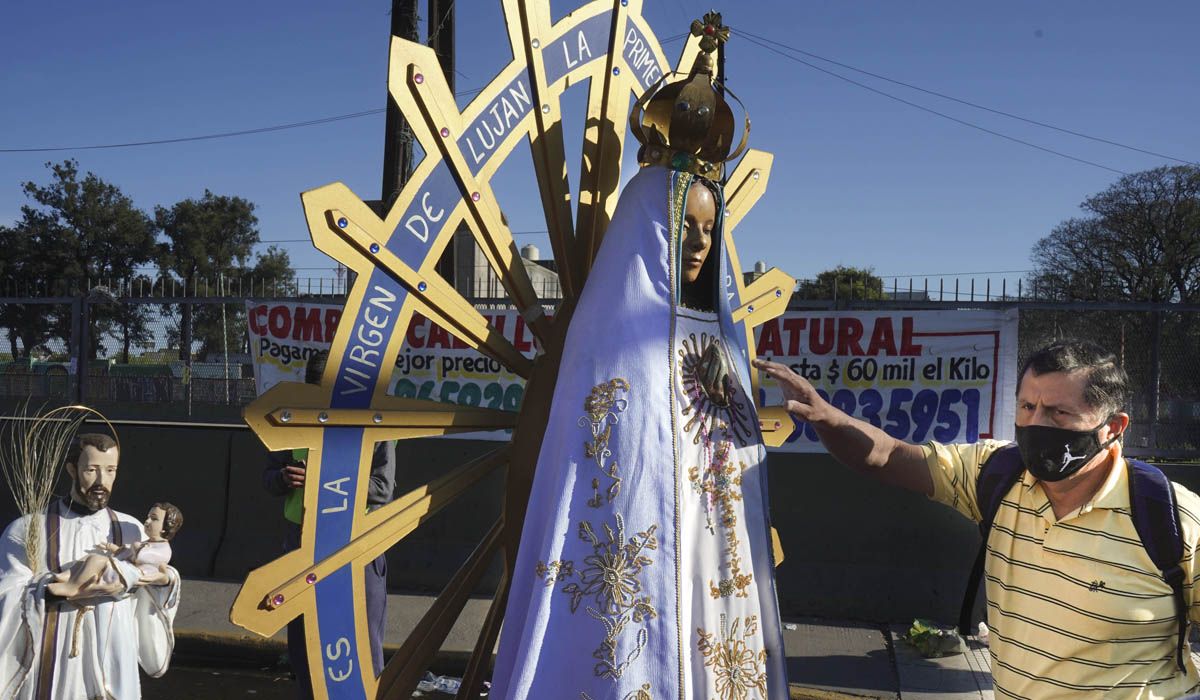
438,337
332,316
307,325
850,331
457,343
794,328
412,338
258,319
883,337
907,347
821,336
280,322
769,341
519,340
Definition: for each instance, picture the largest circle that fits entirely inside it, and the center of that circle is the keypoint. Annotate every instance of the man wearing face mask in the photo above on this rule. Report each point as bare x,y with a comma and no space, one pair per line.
1075,604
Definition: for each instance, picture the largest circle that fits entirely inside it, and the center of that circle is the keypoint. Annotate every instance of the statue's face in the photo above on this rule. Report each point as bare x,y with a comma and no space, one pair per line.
699,219
154,523
93,476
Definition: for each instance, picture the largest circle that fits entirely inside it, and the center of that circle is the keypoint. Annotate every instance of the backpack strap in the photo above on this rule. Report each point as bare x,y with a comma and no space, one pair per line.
997,475
1155,516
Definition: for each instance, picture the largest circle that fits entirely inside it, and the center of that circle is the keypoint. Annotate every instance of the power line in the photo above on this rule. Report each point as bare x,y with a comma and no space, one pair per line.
221,135
923,108
243,132
441,25
205,137
968,103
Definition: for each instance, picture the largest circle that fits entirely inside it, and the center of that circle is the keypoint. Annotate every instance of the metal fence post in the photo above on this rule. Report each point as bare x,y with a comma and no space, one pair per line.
76,345
1155,376
85,346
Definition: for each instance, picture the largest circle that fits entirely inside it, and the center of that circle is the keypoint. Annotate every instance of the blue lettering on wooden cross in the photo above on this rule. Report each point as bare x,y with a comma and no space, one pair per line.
370,331
340,667
583,44
341,453
640,58
425,217
497,120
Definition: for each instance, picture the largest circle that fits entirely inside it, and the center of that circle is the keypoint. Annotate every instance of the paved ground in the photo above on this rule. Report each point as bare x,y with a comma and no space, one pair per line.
827,659
188,683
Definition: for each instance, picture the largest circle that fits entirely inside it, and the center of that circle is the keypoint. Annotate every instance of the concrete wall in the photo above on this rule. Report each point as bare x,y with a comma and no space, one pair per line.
854,549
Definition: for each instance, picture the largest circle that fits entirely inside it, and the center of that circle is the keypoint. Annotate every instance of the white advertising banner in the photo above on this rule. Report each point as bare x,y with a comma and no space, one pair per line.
939,375
433,363
948,376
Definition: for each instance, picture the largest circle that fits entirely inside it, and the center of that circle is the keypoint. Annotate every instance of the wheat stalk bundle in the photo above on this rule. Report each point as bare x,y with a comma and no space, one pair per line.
33,448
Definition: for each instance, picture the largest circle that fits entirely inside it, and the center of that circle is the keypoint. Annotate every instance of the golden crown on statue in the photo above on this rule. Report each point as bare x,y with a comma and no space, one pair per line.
687,124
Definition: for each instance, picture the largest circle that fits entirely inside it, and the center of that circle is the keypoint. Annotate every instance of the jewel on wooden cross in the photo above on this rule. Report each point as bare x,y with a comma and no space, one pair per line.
712,31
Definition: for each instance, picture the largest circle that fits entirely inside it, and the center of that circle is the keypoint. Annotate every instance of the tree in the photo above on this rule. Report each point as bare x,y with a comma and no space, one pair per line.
209,246
208,239
1138,241
222,330
275,265
132,321
86,230
850,283
23,273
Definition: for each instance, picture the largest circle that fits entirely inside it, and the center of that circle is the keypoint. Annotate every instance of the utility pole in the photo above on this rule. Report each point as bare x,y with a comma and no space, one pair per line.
441,36
441,40
397,138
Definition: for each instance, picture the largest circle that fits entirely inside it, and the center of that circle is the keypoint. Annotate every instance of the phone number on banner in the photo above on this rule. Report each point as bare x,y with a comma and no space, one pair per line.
948,415
492,395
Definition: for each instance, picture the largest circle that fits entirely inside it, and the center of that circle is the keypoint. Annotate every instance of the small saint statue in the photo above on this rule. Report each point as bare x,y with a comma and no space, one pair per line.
150,556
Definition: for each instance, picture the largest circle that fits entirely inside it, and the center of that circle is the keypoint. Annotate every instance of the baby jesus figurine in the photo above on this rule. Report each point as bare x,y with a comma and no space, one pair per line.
151,556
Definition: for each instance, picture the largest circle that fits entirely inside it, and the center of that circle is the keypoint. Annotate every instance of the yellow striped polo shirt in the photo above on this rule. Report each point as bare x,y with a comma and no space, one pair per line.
1076,608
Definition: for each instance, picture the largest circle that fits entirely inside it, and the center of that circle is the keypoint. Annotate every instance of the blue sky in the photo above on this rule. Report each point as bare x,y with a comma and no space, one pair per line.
859,179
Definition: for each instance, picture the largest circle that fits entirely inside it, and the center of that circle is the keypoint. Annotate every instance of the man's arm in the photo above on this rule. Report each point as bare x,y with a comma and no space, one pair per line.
383,473
855,443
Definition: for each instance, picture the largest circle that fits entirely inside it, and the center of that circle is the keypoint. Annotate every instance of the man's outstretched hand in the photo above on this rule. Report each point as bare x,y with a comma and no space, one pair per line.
855,443
799,397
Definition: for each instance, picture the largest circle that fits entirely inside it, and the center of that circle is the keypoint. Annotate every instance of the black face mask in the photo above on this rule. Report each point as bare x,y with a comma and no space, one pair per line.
1053,454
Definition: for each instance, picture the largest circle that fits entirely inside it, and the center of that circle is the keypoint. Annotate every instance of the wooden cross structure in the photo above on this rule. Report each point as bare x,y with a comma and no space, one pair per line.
607,43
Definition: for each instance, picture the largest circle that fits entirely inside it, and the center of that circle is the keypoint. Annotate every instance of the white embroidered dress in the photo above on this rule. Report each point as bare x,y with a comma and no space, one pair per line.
644,570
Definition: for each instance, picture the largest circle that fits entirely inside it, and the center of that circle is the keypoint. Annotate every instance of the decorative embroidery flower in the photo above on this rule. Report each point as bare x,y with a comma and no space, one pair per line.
601,407
738,668
610,575
603,399
609,579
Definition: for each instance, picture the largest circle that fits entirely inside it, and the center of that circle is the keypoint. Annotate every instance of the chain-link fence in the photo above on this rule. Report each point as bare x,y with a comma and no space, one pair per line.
1159,350
135,368
118,346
